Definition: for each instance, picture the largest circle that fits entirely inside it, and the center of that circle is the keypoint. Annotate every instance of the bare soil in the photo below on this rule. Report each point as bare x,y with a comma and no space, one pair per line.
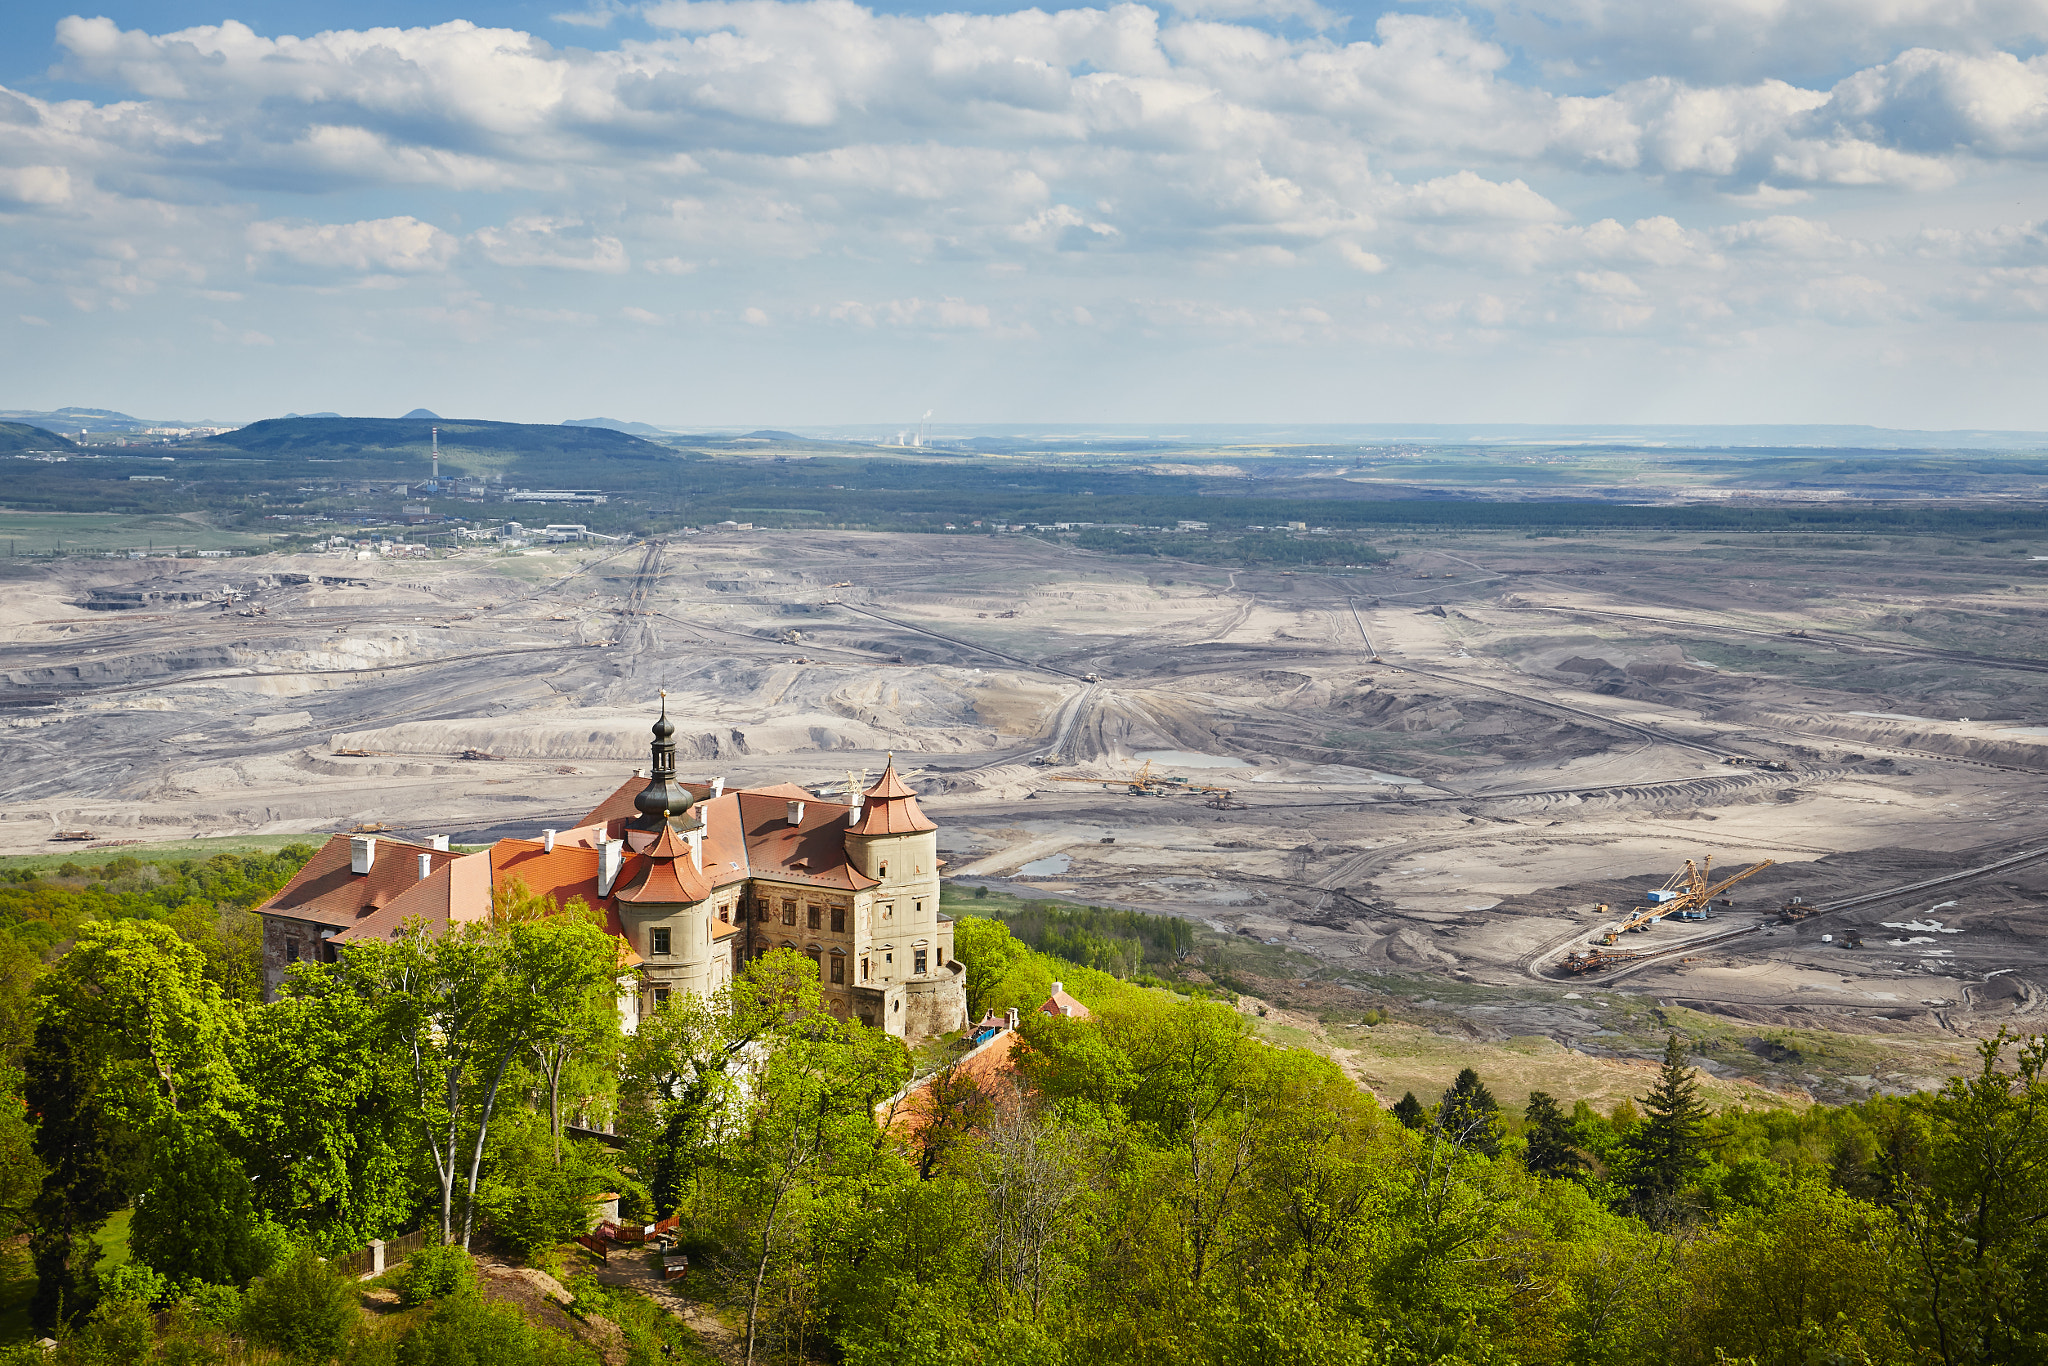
1437,771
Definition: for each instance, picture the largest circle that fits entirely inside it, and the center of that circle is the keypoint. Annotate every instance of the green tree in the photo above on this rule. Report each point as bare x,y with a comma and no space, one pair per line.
811,1127
132,1050
459,1007
567,969
305,1309
1409,1111
988,951
1550,1151
1469,1115
330,1115
1973,1237
682,1067
196,1219
1662,1153
1806,1281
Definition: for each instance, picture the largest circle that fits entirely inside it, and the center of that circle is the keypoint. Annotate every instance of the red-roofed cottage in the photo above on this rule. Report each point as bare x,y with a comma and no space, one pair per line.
693,878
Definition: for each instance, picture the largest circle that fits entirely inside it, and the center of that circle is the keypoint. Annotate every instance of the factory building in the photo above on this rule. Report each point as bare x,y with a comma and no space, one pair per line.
693,878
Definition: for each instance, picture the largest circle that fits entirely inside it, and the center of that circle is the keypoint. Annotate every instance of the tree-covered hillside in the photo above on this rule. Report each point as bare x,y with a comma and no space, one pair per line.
1151,1184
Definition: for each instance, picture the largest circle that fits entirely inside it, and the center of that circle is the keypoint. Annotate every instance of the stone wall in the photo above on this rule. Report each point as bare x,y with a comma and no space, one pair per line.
935,1003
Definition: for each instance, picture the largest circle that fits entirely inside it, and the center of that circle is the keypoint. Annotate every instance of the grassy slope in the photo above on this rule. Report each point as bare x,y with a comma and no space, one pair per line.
19,436
87,856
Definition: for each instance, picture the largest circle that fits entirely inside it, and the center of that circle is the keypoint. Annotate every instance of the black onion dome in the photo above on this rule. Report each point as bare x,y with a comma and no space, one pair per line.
663,796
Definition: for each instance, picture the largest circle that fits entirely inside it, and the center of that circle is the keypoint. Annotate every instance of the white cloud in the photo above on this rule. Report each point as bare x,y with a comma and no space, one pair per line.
384,244
552,244
35,185
1742,40
1219,169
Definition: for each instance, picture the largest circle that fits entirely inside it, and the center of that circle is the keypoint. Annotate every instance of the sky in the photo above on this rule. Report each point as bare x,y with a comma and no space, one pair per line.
792,212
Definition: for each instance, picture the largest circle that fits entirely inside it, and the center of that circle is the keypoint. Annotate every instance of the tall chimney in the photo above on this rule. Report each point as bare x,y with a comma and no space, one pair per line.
362,852
796,813
441,843
547,841
718,787
611,855
426,866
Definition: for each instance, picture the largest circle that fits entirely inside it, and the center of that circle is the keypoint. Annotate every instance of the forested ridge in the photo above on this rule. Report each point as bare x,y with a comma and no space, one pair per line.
1154,1184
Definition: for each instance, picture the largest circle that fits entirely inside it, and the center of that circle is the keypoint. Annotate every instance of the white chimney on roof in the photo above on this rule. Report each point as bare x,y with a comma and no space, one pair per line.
441,843
1058,987
362,853
426,866
547,841
796,813
697,848
611,856
718,787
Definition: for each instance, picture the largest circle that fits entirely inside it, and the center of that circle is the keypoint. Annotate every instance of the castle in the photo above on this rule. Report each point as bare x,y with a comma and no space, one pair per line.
694,879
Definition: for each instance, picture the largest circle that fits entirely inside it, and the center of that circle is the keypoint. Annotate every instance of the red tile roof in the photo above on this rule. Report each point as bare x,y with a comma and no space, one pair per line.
326,892
812,853
992,1069
666,876
896,816
458,891
619,806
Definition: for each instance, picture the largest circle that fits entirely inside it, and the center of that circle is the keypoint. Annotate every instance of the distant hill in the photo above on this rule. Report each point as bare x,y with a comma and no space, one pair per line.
426,413
96,412
532,451
19,436
615,425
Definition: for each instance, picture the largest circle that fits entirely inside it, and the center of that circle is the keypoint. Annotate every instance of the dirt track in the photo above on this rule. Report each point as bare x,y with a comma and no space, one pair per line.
1432,779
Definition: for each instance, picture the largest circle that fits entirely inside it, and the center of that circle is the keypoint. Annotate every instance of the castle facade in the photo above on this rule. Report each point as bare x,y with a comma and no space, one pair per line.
693,878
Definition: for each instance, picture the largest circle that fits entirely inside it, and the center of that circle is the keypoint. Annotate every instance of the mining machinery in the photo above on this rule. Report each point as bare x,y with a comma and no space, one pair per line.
1795,909
1593,960
1145,783
1684,895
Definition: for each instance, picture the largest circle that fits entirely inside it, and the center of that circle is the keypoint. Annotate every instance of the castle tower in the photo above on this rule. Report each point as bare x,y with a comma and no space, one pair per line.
666,913
892,841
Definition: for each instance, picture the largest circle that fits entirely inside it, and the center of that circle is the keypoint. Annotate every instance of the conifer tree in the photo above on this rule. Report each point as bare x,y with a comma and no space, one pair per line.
1469,1114
1665,1149
1409,1111
1550,1151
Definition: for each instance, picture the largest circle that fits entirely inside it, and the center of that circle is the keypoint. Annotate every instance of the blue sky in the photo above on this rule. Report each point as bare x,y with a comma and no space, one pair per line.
1217,210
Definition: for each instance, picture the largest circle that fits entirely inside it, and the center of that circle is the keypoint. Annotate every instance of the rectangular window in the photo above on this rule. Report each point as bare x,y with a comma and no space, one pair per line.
863,969
660,997
291,950
657,940
789,913
810,917
839,920
761,910
888,910
917,961
838,969
920,909
725,915
329,951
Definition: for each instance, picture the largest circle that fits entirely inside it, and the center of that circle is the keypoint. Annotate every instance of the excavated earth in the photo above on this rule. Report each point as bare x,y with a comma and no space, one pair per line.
1437,772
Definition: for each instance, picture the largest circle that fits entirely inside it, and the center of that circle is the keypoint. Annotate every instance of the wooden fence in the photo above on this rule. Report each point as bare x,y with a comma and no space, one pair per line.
363,1260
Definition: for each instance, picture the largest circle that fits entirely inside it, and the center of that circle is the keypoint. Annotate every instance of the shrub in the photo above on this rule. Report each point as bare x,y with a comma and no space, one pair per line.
465,1331
305,1309
436,1273
117,1333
